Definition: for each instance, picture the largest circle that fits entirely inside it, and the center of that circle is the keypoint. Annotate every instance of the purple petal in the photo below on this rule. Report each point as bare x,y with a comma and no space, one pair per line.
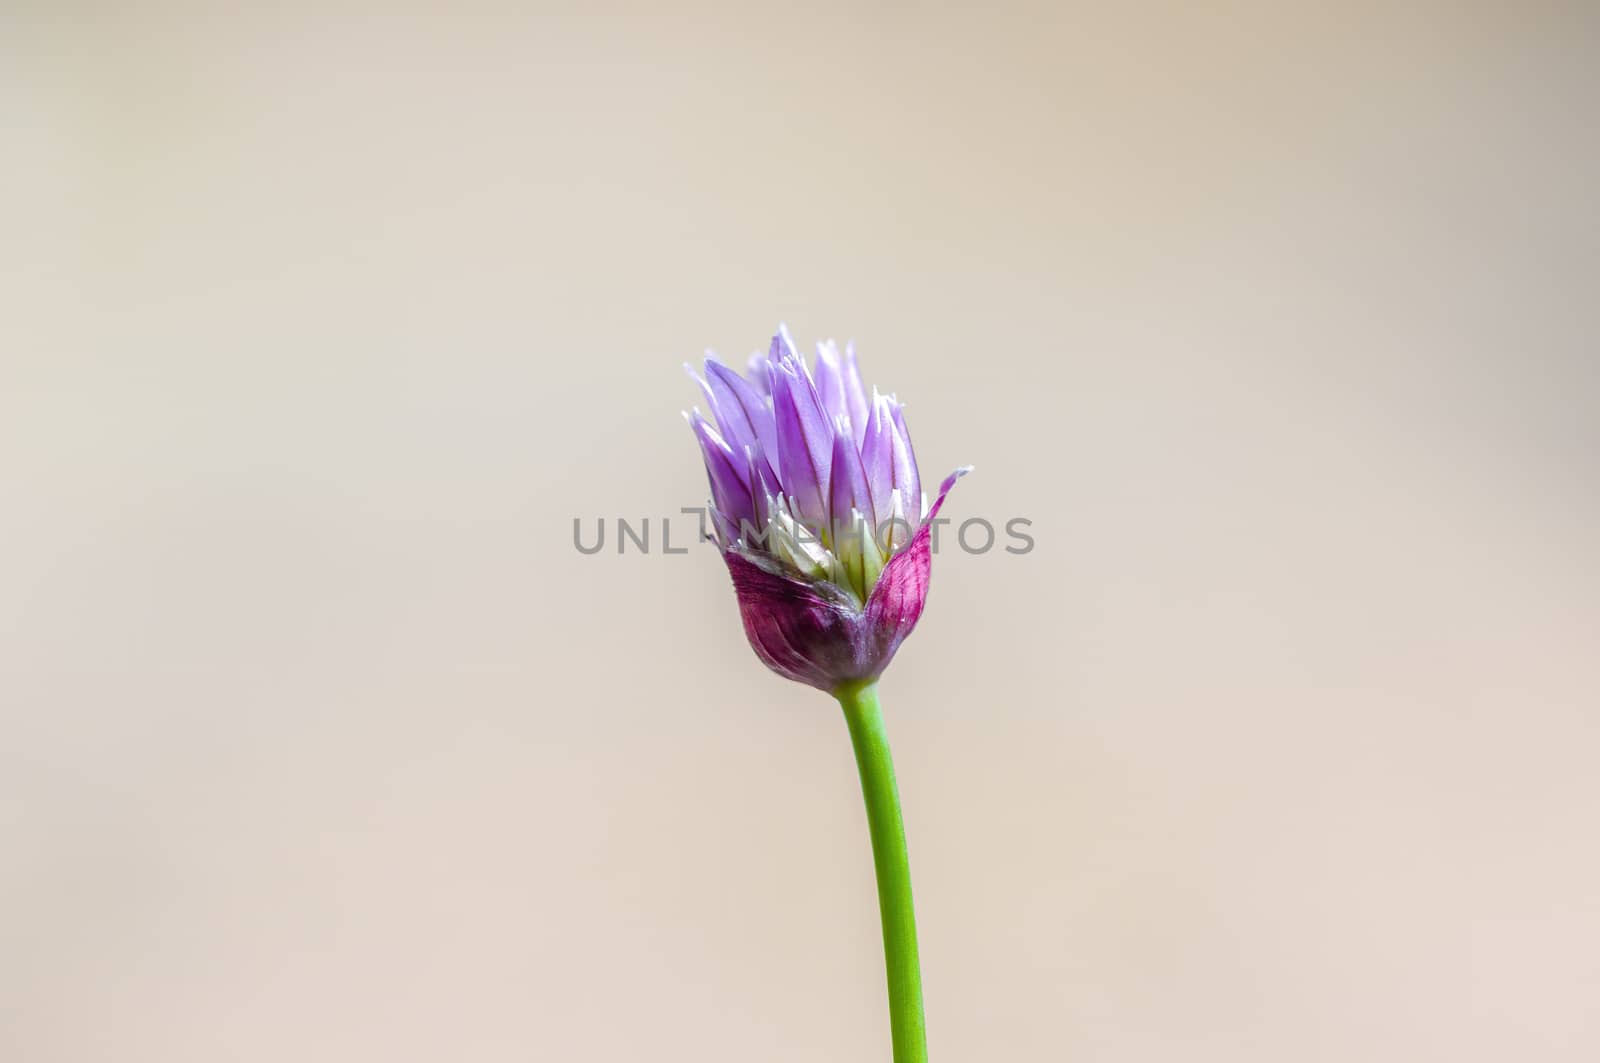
758,371
877,456
906,477
782,350
849,498
740,408
764,480
728,473
830,383
890,463
705,389
805,445
855,397
730,426
848,486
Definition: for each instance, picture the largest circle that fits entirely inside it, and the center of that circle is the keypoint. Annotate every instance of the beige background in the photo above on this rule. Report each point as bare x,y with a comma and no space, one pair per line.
319,741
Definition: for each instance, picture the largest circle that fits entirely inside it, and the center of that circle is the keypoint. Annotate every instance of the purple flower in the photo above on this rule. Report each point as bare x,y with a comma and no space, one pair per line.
818,510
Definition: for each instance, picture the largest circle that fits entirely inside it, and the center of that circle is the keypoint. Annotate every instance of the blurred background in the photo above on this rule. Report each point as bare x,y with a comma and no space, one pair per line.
319,328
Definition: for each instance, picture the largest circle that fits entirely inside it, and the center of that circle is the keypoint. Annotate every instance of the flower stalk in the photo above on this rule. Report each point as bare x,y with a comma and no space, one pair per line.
893,868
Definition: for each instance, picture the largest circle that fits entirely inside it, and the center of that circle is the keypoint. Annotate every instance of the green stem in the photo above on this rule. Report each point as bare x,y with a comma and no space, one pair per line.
888,831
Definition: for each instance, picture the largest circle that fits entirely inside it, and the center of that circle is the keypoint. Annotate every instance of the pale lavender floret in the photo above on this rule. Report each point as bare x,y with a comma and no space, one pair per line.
805,443
830,382
855,396
839,385
849,491
850,498
740,409
890,462
801,465
906,477
758,370
728,472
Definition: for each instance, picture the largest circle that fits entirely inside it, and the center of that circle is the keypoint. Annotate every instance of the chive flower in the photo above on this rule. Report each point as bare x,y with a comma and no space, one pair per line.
818,510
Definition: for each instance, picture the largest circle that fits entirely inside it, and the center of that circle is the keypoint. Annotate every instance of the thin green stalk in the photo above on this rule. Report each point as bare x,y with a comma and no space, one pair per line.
888,831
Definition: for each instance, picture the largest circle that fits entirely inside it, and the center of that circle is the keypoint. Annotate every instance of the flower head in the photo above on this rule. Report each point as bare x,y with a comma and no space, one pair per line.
818,510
